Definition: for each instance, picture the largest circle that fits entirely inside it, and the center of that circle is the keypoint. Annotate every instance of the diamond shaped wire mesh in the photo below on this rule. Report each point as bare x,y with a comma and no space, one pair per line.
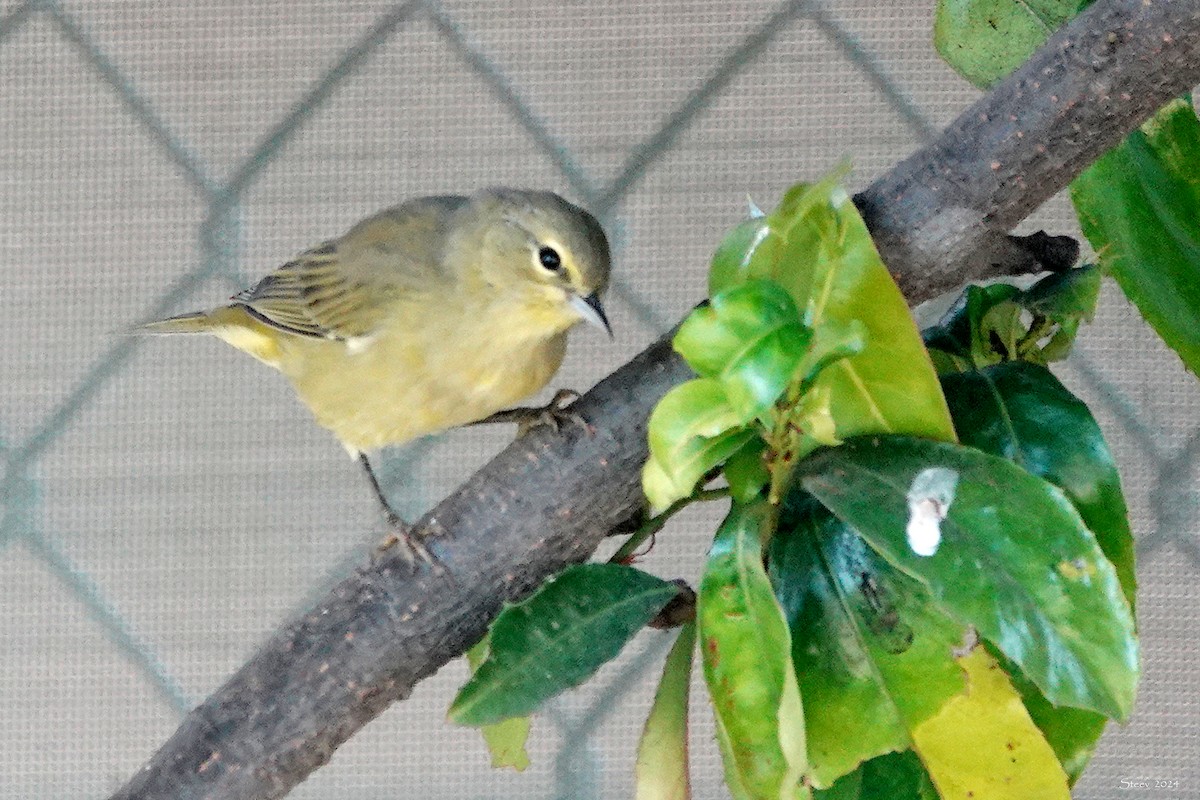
164,505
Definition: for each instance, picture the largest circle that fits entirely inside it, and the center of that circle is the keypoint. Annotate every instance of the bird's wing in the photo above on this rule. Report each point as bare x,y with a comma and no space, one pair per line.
345,288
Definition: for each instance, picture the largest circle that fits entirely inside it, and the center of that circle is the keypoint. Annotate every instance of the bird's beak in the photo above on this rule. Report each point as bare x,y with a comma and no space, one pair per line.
591,311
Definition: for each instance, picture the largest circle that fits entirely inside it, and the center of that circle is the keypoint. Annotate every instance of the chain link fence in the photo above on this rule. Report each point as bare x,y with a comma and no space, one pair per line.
165,504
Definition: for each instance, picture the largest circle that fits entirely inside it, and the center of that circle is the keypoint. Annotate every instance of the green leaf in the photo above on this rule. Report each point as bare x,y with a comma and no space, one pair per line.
691,430
1066,299
505,740
746,471
696,409
895,776
1072,732
744,254
662,760
664,485
817,247
1139,206
557,638
986,325
1011,557
984,40
1021,412
877,672
961,332
837,278
748,667
1065,296
749,338
832,342
873,654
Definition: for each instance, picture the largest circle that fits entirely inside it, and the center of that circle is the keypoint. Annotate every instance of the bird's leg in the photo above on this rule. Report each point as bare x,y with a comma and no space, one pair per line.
402,533
554,414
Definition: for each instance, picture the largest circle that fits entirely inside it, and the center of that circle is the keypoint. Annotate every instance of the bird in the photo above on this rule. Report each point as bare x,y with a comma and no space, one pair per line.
436,313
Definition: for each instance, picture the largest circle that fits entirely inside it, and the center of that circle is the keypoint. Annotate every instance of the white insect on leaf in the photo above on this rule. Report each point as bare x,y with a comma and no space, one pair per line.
929,500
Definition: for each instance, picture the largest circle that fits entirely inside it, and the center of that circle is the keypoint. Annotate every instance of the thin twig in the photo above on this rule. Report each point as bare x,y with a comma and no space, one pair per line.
657,522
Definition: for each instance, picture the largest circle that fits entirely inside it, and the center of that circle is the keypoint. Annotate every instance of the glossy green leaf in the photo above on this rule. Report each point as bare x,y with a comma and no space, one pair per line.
837,278
895,776
696,409
1021,412
745,254
664,485
960,332
505,740
1010,556
1065,296
984,40
816,246
691,430
746,653
557,638
832,342
746,471
662,760
750,339
873,654
995,323
1139,206
1066,299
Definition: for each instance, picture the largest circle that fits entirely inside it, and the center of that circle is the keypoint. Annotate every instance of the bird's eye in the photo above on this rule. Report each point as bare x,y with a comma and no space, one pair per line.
549,258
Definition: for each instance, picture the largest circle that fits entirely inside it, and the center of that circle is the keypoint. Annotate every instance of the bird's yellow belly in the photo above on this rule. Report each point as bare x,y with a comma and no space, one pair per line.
391,392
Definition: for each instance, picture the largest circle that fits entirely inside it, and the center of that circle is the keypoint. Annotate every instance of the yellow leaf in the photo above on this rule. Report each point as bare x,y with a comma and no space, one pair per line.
982,745
662,760
505,740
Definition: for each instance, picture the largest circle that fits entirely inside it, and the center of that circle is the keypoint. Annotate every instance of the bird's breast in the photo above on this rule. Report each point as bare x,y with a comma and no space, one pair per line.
407,384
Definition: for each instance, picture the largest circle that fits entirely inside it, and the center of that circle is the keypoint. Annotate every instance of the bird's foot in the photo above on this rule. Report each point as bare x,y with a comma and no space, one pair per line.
554,414
407,543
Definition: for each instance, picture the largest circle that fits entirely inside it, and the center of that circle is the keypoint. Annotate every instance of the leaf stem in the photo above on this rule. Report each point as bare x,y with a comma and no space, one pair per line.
1038,329
659,521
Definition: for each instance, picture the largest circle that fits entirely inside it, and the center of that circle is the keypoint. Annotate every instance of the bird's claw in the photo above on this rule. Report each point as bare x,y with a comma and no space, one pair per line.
555,414
407,542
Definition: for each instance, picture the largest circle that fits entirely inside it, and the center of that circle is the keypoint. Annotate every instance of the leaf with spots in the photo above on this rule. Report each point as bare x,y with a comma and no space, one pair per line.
557,638
984,40
873,652
1007,757
746,652
1011,556
1022,412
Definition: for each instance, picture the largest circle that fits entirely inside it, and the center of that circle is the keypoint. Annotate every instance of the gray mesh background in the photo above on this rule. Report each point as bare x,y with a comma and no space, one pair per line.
167,503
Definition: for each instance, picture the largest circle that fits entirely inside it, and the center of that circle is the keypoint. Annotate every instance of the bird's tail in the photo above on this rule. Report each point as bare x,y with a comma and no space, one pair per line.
195,322
228,323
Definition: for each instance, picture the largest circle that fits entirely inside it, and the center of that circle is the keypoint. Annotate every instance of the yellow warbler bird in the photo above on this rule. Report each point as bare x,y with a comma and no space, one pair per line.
436,313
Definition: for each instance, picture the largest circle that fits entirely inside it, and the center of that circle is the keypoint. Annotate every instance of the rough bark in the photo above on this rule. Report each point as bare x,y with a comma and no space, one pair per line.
940,219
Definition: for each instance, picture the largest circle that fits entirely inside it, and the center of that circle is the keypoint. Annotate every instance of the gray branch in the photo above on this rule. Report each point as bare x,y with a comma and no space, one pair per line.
940,220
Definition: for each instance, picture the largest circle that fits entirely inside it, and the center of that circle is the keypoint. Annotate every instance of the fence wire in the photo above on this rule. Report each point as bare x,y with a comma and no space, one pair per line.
98,579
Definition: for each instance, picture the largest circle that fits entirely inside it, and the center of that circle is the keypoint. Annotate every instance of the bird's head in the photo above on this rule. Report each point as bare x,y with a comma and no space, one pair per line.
547,257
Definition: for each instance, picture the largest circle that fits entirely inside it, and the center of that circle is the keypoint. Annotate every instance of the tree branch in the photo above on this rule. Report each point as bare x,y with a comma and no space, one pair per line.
546,501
